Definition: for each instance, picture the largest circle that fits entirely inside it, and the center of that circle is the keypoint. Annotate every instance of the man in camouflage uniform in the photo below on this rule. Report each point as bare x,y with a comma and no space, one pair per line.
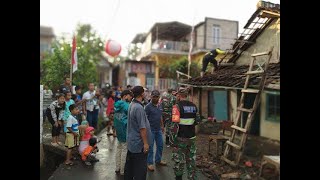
167,102
184,148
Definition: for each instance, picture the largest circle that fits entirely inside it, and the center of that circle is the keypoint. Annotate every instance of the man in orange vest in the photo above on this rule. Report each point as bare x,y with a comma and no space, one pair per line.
184,117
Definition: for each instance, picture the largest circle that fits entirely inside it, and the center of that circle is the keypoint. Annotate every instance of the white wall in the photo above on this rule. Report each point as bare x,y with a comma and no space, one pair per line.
232,104
41,112
269,37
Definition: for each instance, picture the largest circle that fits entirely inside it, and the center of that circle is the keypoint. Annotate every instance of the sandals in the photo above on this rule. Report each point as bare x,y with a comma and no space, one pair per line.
69,164
60,143
87,163
54,144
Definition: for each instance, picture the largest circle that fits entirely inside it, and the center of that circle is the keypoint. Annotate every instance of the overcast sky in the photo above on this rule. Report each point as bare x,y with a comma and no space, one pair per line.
121,20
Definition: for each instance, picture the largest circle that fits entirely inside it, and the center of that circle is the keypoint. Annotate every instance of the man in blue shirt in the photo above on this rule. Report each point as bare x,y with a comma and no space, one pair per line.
154,115
138,138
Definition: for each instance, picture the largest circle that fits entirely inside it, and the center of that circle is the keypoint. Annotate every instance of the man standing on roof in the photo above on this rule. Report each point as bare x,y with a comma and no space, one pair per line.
210,57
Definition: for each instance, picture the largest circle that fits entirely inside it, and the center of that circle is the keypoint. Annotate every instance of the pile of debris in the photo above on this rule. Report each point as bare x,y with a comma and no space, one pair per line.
214,168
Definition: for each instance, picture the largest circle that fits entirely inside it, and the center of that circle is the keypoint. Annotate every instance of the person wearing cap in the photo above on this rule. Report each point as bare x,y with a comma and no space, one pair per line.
154,115
138,137
210,57
184,118
120,124
167,102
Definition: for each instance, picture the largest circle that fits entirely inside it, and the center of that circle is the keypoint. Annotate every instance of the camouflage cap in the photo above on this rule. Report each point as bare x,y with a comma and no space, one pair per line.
184,91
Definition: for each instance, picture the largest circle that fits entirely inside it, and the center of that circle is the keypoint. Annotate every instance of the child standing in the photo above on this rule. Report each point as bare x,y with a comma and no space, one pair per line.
67,112
72,133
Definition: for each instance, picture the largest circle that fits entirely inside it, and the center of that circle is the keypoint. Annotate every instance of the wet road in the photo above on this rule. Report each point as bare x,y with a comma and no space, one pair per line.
104,169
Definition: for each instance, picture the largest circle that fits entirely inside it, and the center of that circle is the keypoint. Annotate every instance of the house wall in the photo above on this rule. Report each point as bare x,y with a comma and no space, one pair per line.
268,129
204,103
195,98
232,104
146,46
45,45
142,77
41,126
200,37
138,67
269,37
228,32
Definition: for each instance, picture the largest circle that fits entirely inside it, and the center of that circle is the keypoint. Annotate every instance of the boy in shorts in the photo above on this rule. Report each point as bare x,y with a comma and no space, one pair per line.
72,133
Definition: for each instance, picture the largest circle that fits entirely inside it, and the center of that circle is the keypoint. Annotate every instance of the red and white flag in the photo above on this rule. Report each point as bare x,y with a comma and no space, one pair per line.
74,55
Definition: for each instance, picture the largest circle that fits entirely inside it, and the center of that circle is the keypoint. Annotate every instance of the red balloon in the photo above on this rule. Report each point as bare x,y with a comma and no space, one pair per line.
113,48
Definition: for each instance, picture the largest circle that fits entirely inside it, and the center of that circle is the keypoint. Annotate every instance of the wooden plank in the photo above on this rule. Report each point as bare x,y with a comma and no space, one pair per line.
260,54
233,145
269,14
245,41
226,64
245,110
250,90
228,161
254,72
239,128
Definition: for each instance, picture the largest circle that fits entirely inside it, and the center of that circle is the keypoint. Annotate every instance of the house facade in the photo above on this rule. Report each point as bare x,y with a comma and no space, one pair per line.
166,42
218,95
104,70
46,38
134,73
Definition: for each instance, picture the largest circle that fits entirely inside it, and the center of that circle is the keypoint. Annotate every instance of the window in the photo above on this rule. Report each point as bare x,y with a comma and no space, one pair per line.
216,31
44,47
273,107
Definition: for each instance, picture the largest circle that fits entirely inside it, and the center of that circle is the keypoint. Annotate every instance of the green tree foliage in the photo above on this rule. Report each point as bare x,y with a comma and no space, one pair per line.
181,64
56,66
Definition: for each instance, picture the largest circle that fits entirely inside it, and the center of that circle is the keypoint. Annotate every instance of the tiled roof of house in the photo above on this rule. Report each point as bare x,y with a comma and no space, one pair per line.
233,76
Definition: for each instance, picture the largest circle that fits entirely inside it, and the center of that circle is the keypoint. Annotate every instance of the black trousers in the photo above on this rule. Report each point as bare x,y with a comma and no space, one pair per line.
136,166
205,62
55,130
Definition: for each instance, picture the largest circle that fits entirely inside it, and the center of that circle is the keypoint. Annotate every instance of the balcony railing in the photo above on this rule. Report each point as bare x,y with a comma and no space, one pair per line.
164,45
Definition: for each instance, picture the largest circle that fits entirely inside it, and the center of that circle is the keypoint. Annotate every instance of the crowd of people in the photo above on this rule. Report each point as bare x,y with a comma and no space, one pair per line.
138,119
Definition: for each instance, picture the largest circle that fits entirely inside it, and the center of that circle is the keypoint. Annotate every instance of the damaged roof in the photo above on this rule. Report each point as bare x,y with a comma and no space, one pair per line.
233,76
265,14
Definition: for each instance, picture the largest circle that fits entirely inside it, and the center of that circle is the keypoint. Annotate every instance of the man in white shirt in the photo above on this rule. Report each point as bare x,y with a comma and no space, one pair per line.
90,107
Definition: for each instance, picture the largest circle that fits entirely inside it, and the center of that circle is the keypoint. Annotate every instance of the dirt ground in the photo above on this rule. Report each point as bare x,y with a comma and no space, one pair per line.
214,168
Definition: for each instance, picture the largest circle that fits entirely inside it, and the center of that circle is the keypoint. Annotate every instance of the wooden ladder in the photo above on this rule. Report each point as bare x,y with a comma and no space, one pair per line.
251,111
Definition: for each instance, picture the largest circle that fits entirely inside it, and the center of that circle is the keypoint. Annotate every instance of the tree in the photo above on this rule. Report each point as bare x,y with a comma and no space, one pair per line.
57,65
181,64
134,50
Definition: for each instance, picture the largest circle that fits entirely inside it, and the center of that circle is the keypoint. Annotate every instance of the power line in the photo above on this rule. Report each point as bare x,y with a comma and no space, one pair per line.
113,18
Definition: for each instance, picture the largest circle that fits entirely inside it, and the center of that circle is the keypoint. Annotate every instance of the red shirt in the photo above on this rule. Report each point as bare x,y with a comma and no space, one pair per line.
110,108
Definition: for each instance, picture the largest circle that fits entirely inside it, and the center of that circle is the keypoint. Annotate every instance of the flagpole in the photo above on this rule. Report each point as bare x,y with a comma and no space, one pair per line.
190,50
71,64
